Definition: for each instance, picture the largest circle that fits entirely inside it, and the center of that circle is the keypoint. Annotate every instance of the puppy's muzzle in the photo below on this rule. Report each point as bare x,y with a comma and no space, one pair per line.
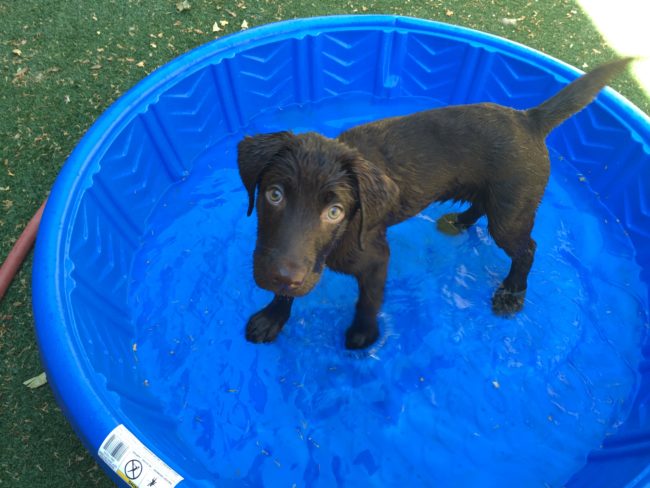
287,277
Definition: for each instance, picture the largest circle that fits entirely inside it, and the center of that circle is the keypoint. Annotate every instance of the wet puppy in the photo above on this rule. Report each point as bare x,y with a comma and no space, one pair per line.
327,202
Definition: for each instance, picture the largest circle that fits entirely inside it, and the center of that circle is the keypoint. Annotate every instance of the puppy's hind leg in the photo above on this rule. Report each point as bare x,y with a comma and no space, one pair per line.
509,297
512,234
454,223
265,325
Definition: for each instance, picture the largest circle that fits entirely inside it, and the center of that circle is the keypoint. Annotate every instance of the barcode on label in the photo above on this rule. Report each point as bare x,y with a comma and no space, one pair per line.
115,448
134,463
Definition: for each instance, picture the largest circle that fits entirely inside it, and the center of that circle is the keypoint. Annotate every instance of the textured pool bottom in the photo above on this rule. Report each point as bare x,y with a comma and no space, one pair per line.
453,397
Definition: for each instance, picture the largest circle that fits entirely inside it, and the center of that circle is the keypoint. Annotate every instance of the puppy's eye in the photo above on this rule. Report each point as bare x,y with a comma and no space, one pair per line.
274,195
334,214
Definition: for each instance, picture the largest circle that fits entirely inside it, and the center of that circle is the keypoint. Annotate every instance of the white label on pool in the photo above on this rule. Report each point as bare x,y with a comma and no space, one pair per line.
134,463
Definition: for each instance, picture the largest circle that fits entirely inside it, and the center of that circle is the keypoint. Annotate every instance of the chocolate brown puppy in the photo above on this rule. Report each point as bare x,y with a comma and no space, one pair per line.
327,202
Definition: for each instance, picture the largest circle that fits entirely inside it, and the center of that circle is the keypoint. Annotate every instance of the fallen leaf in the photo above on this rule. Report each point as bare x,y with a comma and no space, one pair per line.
449,13
20,74
36,381
7,204
17,52
507,21
182,6
140,64
244,25
223,22
215,27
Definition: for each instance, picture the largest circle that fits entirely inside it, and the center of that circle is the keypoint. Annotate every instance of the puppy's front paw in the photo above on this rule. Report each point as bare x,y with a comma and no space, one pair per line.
505,302
264,326
361,334
448,224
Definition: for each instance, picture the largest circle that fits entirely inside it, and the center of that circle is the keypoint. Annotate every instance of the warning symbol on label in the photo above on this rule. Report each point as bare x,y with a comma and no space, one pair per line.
133,462
133,469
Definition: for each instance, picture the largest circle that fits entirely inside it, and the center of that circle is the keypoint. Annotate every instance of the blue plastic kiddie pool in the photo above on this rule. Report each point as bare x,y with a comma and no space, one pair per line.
143,283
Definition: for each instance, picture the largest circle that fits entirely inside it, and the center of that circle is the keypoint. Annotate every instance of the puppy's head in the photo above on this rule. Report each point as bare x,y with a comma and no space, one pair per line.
310,190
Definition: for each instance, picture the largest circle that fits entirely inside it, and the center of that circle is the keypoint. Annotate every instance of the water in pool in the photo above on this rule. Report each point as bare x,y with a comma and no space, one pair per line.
452,396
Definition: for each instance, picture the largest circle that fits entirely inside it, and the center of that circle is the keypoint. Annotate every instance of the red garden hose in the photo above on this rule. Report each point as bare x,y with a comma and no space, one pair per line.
19,252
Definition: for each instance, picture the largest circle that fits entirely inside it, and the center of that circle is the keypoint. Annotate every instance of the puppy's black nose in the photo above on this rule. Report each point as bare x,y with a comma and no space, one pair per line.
289,276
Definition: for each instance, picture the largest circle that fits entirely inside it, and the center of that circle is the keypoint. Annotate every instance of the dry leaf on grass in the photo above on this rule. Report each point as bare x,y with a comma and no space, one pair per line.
36,381
183,5
20,74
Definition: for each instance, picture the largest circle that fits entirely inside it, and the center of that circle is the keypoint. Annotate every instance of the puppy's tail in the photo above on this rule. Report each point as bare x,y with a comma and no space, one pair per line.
575,96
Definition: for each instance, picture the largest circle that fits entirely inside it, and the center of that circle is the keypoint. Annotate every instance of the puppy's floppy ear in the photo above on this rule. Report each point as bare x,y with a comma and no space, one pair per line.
377,194
256,153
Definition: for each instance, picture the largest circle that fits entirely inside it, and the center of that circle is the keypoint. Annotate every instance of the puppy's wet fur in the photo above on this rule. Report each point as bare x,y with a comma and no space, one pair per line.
327,202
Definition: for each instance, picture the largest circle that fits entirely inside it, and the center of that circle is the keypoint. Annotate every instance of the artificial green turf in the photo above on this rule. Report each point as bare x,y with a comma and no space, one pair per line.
64,62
